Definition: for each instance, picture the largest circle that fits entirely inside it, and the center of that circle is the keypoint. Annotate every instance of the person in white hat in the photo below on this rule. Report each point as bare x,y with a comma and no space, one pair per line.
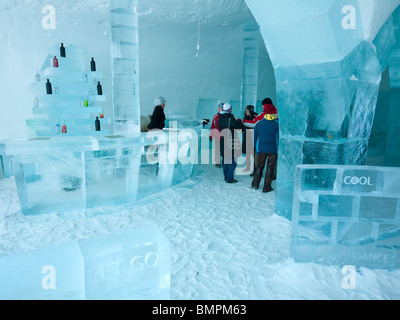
158,118
229,139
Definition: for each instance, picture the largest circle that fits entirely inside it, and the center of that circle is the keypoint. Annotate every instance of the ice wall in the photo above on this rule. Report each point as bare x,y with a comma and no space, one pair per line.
328,73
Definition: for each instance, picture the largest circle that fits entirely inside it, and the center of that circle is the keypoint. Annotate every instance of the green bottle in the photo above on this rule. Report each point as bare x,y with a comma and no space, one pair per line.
86,102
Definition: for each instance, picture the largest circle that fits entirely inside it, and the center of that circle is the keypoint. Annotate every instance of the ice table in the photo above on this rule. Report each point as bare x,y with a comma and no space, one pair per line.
347,215
64,174
126,265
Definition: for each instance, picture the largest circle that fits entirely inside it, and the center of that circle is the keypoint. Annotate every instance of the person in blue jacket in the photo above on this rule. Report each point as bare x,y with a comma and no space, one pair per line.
266,136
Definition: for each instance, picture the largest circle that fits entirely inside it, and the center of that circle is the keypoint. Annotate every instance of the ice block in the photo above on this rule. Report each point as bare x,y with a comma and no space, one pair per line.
53,273
347,215
124,265
127,265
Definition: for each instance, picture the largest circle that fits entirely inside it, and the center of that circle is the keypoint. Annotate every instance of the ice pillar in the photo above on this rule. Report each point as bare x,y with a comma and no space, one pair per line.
392,152
328,74
125,65
251,48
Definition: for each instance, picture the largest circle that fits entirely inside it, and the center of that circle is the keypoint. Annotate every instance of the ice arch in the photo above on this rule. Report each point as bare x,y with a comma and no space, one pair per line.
328,57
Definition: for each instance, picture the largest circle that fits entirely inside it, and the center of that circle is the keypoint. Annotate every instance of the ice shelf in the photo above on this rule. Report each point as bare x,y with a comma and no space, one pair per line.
74,100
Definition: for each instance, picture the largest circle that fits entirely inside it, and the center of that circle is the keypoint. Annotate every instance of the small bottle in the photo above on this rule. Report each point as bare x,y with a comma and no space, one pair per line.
58,127
36,102
99,89
97,124
37,77
85,77
101,115
93,65
49,89
64,128
56,89
86,102
55,62
62,51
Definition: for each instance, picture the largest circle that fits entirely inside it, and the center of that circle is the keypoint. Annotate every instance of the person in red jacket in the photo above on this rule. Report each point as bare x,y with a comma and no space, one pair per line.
216,134
268,108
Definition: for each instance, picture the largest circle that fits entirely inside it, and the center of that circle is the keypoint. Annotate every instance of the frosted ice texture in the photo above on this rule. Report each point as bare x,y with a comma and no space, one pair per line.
328,81
250,60
347,215
58,175
125,66
125,265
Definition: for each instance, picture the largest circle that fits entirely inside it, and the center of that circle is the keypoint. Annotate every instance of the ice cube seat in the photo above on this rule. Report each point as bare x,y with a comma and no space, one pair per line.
132,264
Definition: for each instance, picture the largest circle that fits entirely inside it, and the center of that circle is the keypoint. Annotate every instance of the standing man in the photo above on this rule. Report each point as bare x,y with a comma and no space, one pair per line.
230,146
158,118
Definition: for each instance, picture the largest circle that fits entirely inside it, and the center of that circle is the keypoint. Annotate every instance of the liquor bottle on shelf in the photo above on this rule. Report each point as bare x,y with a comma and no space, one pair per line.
101,115
49,89
64,127
62,51
99,89
58,127
56,89
37,77
92,65
36,102
97,124
55,62
86,102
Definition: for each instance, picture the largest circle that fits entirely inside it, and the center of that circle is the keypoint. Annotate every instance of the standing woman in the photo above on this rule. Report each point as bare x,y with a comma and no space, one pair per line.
266,136
158,118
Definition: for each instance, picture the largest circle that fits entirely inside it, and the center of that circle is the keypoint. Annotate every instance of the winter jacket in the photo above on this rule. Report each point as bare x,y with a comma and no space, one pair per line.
158,119
266,109
266,135
215,132
228,121
245,132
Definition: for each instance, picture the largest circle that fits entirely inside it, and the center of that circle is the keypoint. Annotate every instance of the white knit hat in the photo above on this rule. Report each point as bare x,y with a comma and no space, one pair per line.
227,107
159,101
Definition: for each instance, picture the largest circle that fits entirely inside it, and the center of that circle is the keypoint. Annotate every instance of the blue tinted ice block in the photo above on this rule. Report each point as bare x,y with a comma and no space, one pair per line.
128,265
347,215
125,265
54,273
64,174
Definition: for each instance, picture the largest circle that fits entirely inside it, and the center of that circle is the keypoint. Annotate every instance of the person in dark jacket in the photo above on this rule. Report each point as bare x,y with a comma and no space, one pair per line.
215,135
266,135
247,145
158,118
230,146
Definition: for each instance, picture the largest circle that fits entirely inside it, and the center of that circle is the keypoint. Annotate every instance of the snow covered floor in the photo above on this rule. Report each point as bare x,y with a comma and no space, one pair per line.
226,243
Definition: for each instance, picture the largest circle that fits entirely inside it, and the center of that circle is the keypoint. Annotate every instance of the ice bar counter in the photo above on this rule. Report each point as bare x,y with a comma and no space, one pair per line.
65,174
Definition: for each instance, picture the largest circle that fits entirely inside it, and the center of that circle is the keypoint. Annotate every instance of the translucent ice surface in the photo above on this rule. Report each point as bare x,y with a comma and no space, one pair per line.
328,58
347,215
126,265
65,174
